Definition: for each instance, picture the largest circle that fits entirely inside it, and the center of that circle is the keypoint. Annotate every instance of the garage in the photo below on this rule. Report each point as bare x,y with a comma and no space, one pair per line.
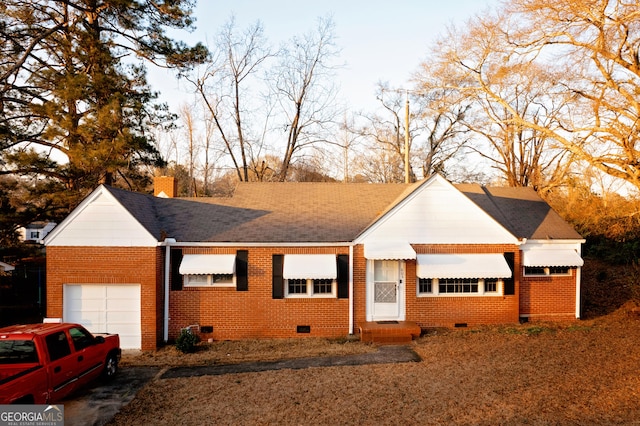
105,308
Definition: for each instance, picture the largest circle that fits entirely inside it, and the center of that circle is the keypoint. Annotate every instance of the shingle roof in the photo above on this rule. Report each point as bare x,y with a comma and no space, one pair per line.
521,211
305,212
320,212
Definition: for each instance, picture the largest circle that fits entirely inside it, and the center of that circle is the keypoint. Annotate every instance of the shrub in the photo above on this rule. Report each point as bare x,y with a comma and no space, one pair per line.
187,341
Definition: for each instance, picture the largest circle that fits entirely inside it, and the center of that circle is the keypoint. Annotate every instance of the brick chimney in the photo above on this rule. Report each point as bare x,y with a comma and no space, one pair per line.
165,186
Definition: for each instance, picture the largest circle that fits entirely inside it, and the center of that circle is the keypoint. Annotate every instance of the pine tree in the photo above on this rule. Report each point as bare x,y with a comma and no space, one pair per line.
76,107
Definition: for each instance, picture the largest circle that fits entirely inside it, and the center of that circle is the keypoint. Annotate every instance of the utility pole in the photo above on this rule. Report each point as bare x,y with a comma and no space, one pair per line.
406,140
407,167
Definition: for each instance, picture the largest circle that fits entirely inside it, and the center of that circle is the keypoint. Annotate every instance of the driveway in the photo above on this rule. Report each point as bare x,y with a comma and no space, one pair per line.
96,405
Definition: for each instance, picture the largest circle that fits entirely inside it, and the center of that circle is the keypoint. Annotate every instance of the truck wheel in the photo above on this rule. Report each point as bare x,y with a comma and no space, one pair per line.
110,367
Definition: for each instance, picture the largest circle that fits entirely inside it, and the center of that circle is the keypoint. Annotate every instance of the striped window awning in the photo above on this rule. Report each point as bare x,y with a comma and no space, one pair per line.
208,264
550,258
462,266
389,250
310,266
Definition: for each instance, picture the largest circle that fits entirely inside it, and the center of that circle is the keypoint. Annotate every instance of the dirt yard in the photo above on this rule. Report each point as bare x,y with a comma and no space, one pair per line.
583,373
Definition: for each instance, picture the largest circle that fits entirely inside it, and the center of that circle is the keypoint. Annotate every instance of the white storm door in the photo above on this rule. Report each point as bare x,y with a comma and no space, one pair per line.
386,290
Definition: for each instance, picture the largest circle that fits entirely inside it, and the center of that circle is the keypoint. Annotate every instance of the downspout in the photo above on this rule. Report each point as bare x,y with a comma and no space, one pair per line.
579,286
351,313
167,271
578,290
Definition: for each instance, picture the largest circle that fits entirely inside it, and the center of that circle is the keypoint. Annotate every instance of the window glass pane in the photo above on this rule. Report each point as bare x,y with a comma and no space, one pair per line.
222,279
197,280
297,286
58,345
385,270
322,286
425,285
80,337
458,285
490,285
534,270
559,270
18,352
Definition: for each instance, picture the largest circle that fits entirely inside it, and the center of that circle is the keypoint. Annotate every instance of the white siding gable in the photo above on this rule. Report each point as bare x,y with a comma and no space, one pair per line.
100,220
437,213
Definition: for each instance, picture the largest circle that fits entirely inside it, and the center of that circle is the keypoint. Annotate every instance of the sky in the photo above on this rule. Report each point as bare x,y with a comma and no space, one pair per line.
380,40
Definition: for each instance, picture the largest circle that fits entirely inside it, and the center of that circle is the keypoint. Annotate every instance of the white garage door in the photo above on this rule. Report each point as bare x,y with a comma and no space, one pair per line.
112,308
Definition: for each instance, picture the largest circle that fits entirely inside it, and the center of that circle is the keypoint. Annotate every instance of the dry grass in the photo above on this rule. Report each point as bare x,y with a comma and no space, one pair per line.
582,373
231,352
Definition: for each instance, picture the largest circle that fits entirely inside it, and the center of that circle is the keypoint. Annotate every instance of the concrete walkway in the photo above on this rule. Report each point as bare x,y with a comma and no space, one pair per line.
384,355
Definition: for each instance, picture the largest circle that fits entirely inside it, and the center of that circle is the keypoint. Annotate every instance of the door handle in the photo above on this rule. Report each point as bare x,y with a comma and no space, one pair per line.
80,358
57,369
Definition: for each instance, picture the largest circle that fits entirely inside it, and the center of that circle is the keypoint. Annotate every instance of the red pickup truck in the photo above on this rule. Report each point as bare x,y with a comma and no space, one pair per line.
43,363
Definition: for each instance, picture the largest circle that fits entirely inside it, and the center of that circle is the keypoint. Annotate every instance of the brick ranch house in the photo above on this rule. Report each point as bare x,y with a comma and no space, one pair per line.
310,259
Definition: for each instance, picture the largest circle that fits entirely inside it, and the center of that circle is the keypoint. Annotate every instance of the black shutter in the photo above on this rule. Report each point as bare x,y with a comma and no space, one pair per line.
343,276
510,283
277,280
175,260
242,269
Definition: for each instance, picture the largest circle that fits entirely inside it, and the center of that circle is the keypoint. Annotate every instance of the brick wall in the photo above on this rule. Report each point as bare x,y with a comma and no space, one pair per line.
254,313
548,297
108,265
442,311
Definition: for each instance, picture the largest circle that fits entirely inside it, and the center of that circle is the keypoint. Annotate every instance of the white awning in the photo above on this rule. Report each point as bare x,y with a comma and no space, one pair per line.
205,264
389,250
541,258
311,266
462,266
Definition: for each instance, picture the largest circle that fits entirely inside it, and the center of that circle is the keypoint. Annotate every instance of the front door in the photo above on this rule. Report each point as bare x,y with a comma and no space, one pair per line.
386,290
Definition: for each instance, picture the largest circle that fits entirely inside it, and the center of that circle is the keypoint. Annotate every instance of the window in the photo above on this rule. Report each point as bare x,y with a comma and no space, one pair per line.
425,285
57,345
35,235
81,338
459,286
309,275
208,270
307,287
490,285
17,352
297,286
532,270
552,270
209,280
322,286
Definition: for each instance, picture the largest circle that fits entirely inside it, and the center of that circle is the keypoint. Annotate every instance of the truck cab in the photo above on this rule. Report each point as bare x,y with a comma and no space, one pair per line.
43,363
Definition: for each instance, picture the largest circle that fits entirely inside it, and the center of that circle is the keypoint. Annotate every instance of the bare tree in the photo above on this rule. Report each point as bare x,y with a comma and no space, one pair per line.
585,55
596,44
440,127
435,132
304,92
384,137
224,87
348,141
193,146
509,100
209,130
